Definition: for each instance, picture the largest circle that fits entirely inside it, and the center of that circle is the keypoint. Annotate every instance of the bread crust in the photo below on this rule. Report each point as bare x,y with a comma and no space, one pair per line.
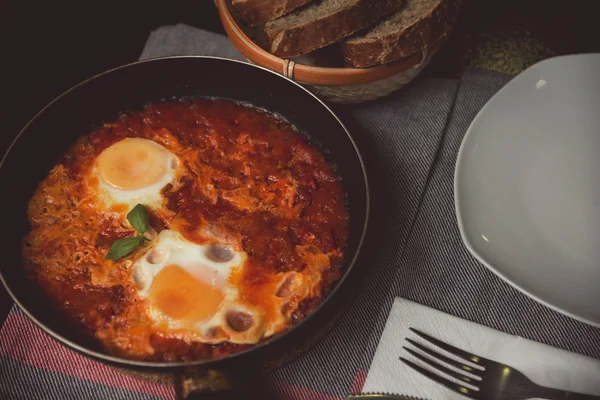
367,52
315,34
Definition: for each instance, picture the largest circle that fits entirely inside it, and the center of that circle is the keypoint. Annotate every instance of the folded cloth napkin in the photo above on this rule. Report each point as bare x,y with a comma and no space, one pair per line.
545,365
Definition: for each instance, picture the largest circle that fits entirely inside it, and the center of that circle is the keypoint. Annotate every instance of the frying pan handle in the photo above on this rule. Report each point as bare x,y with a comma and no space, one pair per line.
212,384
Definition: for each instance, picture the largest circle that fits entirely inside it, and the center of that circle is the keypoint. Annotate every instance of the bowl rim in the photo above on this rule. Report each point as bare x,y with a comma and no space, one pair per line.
314,75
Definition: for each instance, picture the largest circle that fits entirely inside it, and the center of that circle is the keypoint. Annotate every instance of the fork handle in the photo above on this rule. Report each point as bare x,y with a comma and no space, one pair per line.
556,394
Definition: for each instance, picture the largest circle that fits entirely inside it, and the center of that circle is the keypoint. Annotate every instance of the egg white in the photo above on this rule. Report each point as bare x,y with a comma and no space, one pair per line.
179,251
150,196
187,255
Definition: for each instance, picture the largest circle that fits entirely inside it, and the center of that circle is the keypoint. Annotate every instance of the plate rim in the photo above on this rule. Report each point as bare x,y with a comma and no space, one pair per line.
457,207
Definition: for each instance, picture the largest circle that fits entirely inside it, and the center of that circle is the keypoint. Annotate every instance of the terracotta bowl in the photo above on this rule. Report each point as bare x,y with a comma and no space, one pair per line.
336,84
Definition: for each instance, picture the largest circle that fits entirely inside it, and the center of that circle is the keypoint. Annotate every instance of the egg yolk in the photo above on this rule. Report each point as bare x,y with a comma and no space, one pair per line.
179,295
133,163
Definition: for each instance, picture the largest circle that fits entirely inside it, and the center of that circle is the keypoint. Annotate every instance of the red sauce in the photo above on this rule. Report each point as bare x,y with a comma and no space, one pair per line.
250,179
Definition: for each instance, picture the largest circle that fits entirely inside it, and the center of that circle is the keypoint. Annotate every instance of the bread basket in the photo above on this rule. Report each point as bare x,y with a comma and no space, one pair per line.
334,84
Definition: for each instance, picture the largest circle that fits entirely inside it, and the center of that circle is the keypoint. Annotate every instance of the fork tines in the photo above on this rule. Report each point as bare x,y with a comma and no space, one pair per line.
440,358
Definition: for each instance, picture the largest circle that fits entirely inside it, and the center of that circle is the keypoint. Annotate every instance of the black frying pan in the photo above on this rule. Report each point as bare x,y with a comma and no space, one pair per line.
102,98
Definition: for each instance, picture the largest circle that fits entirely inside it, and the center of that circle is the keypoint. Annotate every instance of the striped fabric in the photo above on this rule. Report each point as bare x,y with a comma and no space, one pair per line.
35,366
409,141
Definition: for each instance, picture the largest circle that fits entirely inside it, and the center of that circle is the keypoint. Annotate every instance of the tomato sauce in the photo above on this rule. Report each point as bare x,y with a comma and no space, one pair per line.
251,179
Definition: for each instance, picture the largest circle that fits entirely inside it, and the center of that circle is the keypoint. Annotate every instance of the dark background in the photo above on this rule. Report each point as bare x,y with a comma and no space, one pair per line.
47,47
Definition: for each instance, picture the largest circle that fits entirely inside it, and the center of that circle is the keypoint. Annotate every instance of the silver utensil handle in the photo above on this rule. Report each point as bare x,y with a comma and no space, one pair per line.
556,394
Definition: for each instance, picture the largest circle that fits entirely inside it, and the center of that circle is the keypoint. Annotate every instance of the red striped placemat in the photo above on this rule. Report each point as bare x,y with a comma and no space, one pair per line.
29,354
35,366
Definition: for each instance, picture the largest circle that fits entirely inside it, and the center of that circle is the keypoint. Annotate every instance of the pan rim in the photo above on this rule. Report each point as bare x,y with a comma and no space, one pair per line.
123,362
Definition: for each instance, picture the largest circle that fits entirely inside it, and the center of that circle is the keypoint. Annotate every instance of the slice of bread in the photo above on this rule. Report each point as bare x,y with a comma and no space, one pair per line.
418,24
322,23
256,12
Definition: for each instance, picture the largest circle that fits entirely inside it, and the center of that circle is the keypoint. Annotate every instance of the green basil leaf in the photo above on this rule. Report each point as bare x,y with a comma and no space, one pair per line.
138,218
123,247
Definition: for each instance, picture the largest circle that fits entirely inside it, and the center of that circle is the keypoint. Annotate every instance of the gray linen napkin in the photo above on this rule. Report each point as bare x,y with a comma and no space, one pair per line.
409,141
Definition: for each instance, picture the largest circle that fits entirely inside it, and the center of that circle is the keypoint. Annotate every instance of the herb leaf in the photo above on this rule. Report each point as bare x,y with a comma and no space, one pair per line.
123,247
138,218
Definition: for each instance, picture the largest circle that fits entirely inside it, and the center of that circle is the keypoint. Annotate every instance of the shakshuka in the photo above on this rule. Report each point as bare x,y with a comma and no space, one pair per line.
189,230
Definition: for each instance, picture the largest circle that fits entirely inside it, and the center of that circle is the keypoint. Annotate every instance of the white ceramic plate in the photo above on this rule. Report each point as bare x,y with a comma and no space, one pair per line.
527,185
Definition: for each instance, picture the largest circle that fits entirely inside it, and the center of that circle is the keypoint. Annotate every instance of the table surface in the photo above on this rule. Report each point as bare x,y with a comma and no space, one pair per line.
51,46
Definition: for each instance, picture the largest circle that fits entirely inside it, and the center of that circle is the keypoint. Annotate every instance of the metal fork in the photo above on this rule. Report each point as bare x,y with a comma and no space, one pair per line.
495,381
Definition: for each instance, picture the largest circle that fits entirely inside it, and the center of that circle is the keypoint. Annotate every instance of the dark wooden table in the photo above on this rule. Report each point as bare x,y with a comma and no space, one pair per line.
48,47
